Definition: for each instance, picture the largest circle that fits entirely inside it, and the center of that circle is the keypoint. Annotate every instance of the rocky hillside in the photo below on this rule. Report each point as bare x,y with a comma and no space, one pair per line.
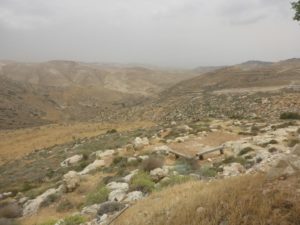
247,90
60,91
146,176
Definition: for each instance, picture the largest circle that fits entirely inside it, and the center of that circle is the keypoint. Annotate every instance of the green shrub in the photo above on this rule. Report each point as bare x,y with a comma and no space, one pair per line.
175,179
98,196
207,171
74,220
290,116
142,182
232,159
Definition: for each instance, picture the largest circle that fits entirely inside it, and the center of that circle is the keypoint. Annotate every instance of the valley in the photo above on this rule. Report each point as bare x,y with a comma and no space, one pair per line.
106,144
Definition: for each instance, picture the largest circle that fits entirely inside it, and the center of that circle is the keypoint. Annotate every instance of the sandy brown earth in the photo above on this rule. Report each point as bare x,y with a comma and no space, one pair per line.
17,143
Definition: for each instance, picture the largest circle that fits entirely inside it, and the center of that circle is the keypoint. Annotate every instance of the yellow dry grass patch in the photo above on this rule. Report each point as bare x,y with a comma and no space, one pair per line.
14,144
241,200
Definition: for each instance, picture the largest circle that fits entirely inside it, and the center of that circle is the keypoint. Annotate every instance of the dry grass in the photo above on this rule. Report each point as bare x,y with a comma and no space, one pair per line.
14,144
243,200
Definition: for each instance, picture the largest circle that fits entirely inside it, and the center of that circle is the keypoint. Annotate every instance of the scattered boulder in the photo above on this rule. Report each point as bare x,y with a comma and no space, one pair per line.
72,160
32,206
129,176
117,195
163,149
158,174
104,154
131,159
91,210
134,196
234,169
184,128
117,186
93,166
109,207
71,181
140,143
144,157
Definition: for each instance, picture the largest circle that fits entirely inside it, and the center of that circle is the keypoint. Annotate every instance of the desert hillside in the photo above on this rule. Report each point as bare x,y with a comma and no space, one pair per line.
251,89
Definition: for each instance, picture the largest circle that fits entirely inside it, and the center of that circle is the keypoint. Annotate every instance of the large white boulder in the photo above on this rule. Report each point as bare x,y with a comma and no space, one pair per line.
32,206
139,143
117,195
71,181
134,196
158,174
93,166
72,160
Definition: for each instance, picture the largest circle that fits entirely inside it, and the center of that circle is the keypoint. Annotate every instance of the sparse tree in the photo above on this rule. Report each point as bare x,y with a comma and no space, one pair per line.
296,7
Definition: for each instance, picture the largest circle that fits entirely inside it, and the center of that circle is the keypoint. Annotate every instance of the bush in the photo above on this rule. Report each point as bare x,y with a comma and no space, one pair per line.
74,220
64,205
97,197
120,161
290,116
6,221
142,182
207,171
232,159
152,163
112,131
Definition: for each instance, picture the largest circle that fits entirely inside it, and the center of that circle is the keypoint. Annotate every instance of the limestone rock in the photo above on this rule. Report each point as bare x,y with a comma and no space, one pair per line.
139,143
117,186
117,195
32,206
93,166
107,153
158,174
72,160
134,196
71,181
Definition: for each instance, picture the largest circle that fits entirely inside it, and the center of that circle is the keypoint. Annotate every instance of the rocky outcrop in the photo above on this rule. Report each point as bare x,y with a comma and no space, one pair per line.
32,206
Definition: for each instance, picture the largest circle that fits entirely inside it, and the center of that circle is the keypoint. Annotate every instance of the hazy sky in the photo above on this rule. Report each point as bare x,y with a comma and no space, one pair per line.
181,33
